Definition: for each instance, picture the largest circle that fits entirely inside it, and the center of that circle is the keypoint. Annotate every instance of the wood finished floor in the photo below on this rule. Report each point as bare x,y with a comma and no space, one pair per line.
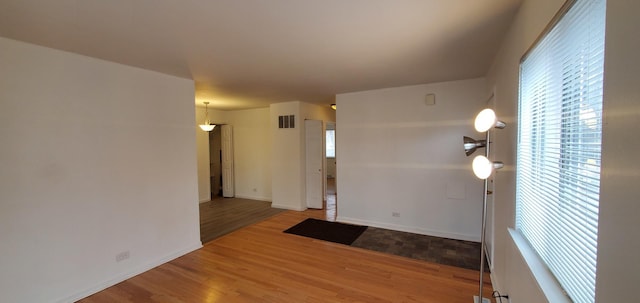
221,216
260,263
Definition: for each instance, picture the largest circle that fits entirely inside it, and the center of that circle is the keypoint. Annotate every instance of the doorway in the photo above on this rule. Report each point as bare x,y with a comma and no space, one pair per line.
221,162
331,193
215,162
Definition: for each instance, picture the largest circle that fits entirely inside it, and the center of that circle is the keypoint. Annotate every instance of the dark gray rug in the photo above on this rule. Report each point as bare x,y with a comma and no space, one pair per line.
465,254
458,253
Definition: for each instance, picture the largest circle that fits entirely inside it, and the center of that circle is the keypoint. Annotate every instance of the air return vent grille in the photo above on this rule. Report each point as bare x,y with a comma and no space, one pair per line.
287,121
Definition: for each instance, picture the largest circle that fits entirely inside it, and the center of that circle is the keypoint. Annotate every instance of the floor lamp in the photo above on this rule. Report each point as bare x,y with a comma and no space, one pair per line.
482,168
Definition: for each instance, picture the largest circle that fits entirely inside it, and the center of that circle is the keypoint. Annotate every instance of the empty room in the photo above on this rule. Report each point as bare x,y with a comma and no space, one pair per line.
319,151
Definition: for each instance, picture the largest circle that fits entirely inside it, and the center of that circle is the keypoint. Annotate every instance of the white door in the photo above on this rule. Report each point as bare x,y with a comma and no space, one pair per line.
314,156
227,161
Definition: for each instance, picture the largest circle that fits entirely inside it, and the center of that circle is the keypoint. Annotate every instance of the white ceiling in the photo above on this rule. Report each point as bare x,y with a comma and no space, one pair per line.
250,53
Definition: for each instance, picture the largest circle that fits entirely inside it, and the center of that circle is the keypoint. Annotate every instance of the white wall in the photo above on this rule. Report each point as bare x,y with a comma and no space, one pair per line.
97,158
286,158
252,153
397,154
617,271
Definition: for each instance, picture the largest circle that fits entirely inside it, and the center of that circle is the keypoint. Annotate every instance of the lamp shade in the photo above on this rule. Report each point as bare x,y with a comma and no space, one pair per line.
470,145
207,127
483,167
486,119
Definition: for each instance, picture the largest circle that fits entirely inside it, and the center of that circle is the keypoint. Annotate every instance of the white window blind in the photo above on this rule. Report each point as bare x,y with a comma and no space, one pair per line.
559,139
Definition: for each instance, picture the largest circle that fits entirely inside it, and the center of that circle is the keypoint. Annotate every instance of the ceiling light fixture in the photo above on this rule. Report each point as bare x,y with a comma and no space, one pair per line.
333,106
207,126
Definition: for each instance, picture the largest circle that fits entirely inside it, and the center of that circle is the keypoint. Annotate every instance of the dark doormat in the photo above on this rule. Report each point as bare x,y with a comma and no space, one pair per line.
327,231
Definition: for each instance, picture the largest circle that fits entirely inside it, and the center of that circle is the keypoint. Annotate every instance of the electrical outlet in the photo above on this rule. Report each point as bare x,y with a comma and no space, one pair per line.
122,256
395,214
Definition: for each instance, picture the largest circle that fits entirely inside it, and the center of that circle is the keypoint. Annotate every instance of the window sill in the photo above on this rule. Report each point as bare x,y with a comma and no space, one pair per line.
545,279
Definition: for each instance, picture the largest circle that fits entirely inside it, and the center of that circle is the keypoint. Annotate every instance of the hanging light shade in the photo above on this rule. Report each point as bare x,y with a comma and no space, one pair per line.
486,119
470,145
483,167
207,126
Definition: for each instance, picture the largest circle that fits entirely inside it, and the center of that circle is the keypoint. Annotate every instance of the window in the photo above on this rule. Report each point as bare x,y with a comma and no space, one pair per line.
559,139
331,143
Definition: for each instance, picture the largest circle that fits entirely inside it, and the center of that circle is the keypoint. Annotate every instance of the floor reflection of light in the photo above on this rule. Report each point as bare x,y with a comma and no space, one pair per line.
330,206
213,295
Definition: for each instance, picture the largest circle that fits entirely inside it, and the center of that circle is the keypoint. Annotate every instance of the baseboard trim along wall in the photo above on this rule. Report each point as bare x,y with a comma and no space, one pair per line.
258,198
289,207
421,231
129,274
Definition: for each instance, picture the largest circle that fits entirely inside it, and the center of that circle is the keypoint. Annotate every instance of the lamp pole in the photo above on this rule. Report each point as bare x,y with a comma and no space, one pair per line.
484,221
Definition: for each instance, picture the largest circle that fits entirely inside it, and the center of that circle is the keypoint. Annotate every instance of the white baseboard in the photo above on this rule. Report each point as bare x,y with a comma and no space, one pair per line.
204,201
129,274
410,229
258,198
494,283
281,206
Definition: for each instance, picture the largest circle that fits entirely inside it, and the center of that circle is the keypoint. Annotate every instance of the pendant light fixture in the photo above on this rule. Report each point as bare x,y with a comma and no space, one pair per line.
207,126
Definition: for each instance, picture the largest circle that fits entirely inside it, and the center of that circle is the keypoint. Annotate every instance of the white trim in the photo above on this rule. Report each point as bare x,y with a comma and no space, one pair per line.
410,229
204,201
494,281
282,206
129,274
249,197
545,279
489,261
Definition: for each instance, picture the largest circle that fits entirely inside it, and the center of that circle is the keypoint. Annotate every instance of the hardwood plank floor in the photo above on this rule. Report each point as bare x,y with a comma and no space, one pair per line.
260,263
221,216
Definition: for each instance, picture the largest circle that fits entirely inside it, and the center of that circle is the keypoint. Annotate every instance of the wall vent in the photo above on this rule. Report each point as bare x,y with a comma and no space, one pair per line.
287,121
